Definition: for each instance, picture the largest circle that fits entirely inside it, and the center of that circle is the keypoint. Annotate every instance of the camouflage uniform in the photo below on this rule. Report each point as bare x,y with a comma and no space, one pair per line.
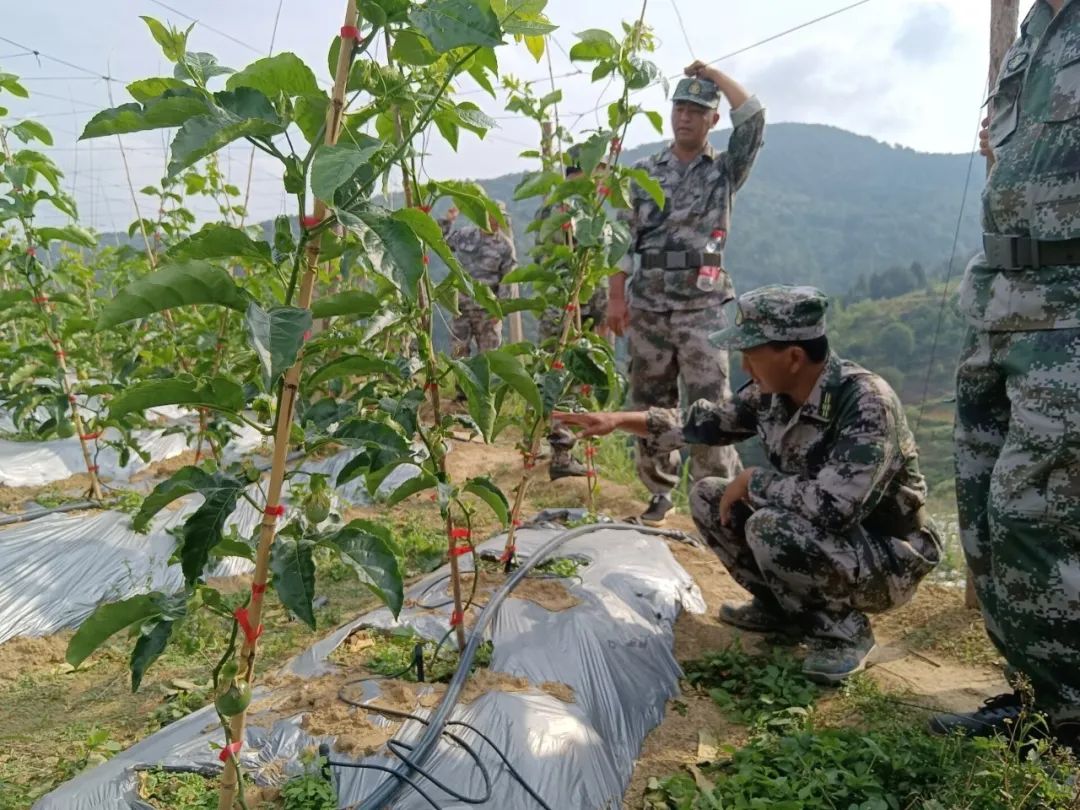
835,526
1018,384
594,311
487,257
670,319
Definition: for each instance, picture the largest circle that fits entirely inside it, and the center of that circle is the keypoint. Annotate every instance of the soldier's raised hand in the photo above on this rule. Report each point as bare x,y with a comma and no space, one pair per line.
700,70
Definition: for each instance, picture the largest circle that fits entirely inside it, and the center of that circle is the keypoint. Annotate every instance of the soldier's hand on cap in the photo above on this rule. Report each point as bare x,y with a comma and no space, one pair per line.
591,424
618,315
700,70
984,139
738,490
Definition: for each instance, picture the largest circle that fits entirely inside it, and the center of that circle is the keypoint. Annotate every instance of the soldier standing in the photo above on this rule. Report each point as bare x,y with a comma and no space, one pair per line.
593,315
835,527
1017,427
487,257
669,315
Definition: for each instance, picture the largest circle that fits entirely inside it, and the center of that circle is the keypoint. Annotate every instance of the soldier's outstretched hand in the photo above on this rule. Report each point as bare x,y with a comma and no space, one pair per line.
591,424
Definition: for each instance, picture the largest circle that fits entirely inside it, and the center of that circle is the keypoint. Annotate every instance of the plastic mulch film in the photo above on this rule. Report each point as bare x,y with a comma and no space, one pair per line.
612,646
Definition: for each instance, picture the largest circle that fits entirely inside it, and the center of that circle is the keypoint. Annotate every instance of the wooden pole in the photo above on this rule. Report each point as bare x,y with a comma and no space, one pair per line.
1004,21
230,780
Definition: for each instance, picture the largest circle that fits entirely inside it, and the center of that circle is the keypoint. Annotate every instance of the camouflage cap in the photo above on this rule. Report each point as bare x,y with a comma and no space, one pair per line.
775,312
703,92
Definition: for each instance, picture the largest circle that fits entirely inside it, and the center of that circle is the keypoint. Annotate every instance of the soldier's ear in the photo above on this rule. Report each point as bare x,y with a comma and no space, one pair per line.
715,119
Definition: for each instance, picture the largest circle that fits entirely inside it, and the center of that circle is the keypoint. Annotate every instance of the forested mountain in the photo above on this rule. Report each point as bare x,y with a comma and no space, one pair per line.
824,206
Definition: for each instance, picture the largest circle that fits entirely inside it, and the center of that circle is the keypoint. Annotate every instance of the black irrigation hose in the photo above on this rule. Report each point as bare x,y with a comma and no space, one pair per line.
514,773
389,789
26,517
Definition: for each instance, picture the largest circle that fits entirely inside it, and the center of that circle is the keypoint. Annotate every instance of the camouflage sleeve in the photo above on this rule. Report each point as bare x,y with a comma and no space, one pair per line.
509,262
748,120
842,494
713,423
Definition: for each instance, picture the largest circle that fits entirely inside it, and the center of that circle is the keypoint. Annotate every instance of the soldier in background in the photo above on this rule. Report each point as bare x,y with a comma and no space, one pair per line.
593,316
487,257
1018,384
835,527
667,316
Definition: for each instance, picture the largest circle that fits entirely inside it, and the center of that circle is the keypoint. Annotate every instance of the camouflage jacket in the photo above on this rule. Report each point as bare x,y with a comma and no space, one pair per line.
846,455
1034,186
487,257
698,200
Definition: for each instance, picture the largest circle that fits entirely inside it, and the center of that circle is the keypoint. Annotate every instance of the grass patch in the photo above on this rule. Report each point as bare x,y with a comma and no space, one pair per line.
393,655
880,758
751,687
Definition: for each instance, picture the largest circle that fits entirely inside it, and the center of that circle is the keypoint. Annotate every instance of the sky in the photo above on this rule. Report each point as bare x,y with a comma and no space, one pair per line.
911,73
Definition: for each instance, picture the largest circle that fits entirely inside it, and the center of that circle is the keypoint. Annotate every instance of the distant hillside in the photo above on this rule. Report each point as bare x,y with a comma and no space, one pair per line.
822,207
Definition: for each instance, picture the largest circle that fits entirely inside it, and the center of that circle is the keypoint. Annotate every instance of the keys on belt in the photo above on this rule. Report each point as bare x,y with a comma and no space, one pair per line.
678,259
1020,252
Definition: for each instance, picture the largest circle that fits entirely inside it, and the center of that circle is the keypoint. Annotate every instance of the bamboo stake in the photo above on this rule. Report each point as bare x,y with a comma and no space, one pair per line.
426,306
231,777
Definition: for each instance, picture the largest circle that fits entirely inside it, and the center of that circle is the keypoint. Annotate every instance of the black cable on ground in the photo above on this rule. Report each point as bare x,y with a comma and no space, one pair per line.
395,713
386,792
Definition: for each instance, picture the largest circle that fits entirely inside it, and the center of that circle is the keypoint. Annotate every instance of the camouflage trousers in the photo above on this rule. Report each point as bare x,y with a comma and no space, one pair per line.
665,346
826,583
1017,440
474,327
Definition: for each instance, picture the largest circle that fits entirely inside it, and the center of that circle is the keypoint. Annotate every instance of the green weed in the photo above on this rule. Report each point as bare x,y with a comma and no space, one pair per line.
751,687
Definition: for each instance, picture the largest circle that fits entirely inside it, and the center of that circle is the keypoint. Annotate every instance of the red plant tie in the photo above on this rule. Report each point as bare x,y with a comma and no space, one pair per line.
590,451
230,750
41,299
558,365
456,618
567,225
309,222
71,397
459,533
60,353
508,554
350,32
275,511
603,191
425,208
242,618
586,389
31,252
431,386
307,335
460,551
571,307
257,589
89,437
93,468
426,259
590,473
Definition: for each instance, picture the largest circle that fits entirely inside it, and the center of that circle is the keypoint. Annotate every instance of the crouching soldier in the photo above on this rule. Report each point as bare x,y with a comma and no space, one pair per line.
835,526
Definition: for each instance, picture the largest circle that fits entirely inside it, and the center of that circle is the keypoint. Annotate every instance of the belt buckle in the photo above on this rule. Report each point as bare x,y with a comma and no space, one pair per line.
1011,252
677,259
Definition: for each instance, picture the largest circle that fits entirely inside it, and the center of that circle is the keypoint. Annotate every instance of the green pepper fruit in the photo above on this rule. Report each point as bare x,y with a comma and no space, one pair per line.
235,699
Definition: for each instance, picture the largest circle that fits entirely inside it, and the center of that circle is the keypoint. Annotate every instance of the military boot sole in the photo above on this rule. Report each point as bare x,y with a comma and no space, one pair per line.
836,678
656,522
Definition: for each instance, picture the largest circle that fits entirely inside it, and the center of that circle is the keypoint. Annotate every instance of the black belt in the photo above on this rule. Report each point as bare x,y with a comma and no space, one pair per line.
679,259
1018,252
